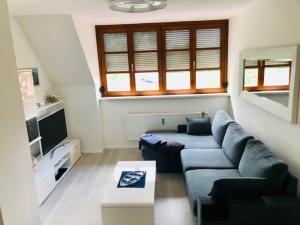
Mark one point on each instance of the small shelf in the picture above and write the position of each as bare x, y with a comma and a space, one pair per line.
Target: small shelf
49, 105
35, 140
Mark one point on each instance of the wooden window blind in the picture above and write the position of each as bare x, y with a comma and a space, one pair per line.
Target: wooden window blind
145, 64
163, 58
177, 57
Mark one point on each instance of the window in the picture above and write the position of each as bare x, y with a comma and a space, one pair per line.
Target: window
178, 53
164, 58
267, 75
116, 62
145, 64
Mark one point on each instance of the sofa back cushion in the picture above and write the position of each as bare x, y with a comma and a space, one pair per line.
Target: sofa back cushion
259, 161
198, 126
234, 143
219, 125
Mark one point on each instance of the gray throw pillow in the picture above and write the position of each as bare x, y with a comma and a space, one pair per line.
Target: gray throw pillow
198, 126
238, 187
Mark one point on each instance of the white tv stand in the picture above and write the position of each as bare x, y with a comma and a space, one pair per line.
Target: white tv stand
51, 170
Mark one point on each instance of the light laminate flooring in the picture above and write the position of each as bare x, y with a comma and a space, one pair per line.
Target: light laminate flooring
76, 200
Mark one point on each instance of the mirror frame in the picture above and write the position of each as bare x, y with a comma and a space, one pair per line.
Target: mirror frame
289, 113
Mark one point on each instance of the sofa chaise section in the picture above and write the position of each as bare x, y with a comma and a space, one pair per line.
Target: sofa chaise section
213, 141
190, 141
219, 126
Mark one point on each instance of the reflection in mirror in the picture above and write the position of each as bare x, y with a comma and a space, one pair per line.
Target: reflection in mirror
268, 78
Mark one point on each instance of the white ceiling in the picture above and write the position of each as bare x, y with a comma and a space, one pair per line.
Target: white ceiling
97, 11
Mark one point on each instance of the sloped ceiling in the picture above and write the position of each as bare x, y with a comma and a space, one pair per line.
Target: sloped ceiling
56, 43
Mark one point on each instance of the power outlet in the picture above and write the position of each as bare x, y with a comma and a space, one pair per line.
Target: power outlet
163, 121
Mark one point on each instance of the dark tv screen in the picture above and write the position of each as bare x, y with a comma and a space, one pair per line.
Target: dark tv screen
53, 130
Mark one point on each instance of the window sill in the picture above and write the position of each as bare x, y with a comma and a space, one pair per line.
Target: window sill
270, 92
164, 96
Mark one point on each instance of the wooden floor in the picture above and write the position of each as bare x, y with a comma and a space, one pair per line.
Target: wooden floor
76, 200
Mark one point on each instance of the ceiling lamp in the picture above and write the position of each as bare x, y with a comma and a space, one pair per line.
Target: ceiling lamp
137, 6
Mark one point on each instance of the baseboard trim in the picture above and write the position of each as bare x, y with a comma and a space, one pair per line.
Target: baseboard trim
92, 151
120, 147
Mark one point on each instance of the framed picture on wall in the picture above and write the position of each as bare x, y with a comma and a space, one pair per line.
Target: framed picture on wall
26, 85
34, 73
35, 76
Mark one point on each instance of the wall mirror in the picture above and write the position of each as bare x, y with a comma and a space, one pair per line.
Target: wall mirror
270, 80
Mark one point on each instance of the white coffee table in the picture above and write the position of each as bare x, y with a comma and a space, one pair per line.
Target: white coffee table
130, 206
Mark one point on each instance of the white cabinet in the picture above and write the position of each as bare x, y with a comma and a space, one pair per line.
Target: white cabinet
75, 153
53, 167
45, 183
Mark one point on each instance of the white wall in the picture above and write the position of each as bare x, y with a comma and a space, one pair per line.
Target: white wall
267, 23
84, 120
114, 113
18, 201
27, 58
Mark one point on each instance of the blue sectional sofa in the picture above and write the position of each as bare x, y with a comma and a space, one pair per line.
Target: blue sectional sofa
231, 178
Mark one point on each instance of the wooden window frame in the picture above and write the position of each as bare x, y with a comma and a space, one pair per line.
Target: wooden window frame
261, 76
161, 28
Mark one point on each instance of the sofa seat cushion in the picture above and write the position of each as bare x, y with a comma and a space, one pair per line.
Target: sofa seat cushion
259, 161
204, 159
190, 141
219, 125
199, 183
234, 143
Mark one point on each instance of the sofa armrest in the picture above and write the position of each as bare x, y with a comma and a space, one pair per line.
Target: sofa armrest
232, 211
210, 211
265, 210
273, 210
238, 187
247, 211
283, 209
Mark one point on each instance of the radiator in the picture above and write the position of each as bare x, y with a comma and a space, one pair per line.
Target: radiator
138, 123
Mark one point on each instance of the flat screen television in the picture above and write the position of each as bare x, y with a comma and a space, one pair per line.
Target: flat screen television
53, 130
